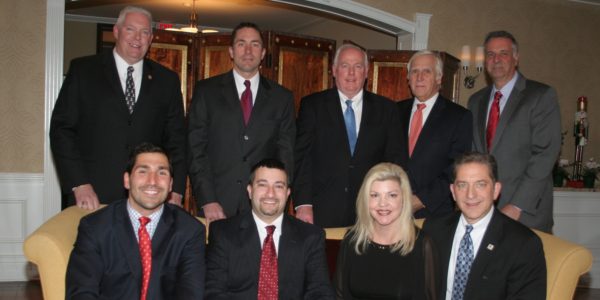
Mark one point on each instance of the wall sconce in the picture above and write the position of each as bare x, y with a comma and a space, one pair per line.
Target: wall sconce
465, 61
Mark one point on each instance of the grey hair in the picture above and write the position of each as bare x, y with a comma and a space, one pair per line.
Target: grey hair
350, 46
133, 9
439, 64
503, 34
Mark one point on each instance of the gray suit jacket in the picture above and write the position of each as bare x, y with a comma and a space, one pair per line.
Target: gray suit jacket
526, 145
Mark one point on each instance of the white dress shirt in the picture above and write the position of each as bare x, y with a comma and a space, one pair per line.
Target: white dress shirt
429, 103
134, 217
357, 106
505, 91
262, 230
239, 84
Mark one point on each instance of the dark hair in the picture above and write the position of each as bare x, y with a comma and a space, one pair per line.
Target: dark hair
271, 163
146, 148
479, 158
502, 34
247, 25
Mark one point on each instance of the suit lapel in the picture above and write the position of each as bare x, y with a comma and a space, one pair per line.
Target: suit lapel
232, 99
334, 109
431, 124
262, 98
287, 255
160, 240
486, 251
146, 85
511, 106
250, 244
127, 240
112, 76
446, 247
482, 117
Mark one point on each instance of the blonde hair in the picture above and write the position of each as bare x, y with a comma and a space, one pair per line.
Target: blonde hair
364, 222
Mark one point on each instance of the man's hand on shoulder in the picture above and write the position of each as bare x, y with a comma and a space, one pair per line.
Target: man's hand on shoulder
85, 197
305, 213
213, 211
511, 211
176, 199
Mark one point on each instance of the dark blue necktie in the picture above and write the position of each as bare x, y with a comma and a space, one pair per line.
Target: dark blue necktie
463, 265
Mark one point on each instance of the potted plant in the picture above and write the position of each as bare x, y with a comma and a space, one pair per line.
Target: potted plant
590, 173
560, 173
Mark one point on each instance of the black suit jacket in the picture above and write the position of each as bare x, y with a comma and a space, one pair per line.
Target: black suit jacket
447, 133
327, 175
222, 149
105, 263
510, 263
92, 132
233, 260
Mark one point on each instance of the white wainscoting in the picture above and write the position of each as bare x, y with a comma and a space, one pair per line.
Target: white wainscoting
21, 212
577, 219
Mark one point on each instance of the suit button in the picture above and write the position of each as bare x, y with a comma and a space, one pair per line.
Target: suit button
129, 123
246, 137
346, 189
351, 167
239, 182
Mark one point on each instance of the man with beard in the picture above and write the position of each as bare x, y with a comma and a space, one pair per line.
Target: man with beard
291, 263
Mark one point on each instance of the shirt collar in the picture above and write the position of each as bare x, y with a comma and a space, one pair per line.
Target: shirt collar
356, 100
239, 80
479, 225
122, 64
261, 224
507, 88
428, 103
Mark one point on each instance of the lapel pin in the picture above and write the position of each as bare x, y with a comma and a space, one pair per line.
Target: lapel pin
490, 247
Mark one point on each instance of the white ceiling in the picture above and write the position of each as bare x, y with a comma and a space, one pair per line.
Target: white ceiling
221, 14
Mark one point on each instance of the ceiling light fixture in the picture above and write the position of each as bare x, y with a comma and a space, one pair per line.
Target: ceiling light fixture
193, 26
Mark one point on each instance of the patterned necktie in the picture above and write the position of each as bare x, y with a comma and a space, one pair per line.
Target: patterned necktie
463, 265
146, 254
493, 119
350, 125
268, 288
415, 128
130, 90
246, 102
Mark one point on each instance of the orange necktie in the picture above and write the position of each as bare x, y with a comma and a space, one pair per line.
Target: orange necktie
268, 288
146, 254
415, 128
493, 119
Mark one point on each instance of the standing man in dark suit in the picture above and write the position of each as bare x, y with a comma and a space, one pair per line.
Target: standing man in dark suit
291, 264
482, 253
104, 109
237, 119
434, 130
139, 247
518, 121
342, 133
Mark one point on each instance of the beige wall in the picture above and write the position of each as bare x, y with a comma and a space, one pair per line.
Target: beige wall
559, 45
22, 28
80, 40
340, 31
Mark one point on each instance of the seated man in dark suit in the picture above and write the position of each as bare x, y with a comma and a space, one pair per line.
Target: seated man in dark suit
291, 264
140, 247
484, 254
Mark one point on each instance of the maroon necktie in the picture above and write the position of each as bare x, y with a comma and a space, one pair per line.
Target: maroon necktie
146, 254
415, 128
267, 278
493, 119
246, 102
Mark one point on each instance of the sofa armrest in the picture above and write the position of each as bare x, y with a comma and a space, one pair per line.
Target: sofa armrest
50, 246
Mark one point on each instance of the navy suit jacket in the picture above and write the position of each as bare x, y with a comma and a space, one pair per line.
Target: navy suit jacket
447, 133
106, 264
92, 132
327, 175
233, 260
526, 145
222, 149
510, 263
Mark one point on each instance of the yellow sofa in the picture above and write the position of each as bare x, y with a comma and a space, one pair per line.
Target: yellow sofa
50, 245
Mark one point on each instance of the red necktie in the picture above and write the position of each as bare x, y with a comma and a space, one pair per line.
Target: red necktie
267, 278
493, 119
146, 254
246, 102
415, 128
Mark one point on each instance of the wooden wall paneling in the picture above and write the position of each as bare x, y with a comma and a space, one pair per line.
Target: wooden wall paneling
300, 63
451, 81
214, 55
